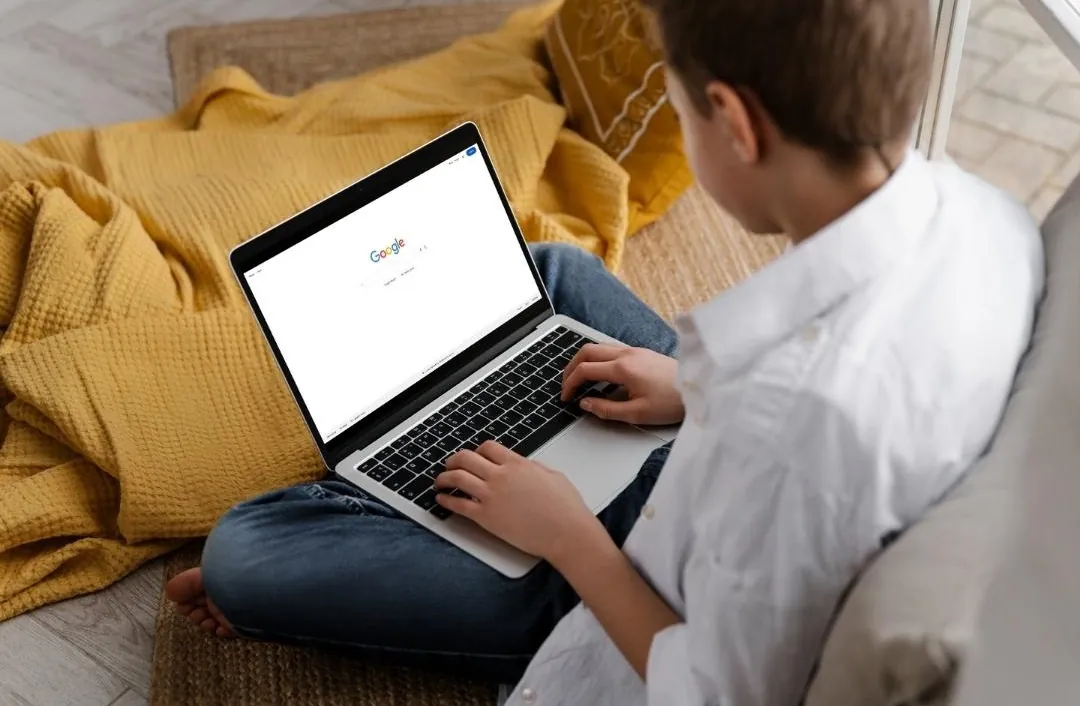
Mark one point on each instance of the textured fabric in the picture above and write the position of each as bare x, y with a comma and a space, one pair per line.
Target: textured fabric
140, 402
611, 76
830, 400
912, 624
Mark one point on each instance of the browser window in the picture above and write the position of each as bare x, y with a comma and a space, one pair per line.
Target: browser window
365, 308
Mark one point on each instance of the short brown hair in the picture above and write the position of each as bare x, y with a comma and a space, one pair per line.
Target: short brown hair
835, 75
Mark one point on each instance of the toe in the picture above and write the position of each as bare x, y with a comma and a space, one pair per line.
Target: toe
198, 615
186, 587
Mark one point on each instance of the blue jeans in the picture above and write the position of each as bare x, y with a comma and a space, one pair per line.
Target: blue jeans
324, 563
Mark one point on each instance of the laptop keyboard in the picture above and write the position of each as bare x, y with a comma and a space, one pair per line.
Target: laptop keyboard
517, 405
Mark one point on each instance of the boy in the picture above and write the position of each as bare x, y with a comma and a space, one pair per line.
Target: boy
826, 403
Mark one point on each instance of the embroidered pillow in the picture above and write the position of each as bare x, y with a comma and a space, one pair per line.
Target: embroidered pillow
611, 74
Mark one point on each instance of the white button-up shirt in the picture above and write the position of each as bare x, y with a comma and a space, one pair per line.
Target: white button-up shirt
830, 399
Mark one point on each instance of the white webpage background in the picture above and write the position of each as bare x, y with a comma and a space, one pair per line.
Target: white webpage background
355, 333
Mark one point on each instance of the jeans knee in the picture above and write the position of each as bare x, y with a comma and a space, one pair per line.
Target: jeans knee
232, 575
563, 257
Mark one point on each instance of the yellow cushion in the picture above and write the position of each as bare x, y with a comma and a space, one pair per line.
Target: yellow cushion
611, 74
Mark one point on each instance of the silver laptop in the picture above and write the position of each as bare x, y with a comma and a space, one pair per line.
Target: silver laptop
410, 322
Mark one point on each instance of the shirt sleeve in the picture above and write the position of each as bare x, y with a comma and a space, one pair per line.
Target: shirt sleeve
666, 677
775, 547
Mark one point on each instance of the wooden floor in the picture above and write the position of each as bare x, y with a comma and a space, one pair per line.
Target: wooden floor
65, 64
69, 63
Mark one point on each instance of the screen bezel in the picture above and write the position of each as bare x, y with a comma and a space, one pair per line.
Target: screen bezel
314, 219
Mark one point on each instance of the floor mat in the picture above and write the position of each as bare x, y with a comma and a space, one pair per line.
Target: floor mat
191, 667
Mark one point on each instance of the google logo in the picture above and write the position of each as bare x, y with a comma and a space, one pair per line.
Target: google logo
393, 249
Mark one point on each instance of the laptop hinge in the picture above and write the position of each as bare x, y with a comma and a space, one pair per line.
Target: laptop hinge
444, 386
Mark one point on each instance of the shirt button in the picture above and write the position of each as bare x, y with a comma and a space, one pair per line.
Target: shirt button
528, 695
811, 333
648, 512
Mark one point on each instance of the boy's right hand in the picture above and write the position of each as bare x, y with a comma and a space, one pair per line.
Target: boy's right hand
648, 377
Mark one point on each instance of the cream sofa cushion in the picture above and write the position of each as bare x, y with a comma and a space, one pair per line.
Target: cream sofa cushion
903, 633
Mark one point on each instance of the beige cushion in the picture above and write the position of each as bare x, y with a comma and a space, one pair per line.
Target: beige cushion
1028, 647
905, 629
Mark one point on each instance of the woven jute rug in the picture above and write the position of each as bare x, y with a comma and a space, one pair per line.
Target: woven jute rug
190, 667
691, 254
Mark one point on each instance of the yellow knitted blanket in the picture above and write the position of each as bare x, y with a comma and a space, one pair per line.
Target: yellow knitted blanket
138, 399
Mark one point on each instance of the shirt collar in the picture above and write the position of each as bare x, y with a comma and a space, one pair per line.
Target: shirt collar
809, 279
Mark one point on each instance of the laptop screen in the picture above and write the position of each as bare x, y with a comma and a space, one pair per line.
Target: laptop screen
365, 308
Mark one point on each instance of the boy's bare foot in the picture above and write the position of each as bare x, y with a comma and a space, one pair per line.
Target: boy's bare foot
187, 592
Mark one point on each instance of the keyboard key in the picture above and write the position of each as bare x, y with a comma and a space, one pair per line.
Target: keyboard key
379, 473
416, 487
563, 360
520, 431
525, 407
503, 403
426, 439
367, 466
395, 461
551, 372
544, 434
433, 455
499, 389
553, 388
484, 399
552, 335
551, 351
426, 500
534, 382
447, 445
436, 468
441, 512
549, 410
512, 417
511, 379
538, 397
482, 436
535, 421
481, 420
411, 450
416, 465
458, 418
498, 428
526, 369
441, 429
469, 409
398, 480
384, 454
450, 407
567, 339
465, 397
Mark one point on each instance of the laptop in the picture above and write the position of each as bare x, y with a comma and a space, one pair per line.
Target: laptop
410, 322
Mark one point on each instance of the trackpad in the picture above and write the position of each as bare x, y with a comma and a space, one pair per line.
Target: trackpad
601, 458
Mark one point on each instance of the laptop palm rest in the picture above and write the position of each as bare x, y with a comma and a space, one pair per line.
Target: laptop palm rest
600, 458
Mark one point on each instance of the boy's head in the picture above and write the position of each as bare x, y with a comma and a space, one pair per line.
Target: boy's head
769, 91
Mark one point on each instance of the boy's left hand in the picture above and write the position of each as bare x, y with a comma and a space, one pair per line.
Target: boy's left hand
522, 502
